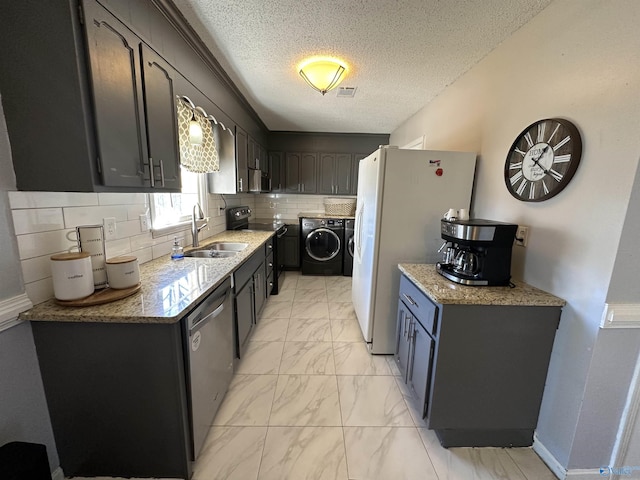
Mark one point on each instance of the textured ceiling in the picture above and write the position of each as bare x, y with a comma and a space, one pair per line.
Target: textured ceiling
401, 53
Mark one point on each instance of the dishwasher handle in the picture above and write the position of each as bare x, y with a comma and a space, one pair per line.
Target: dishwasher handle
217, 311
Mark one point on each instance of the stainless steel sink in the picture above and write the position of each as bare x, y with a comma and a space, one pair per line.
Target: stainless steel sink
228, 246
210, 253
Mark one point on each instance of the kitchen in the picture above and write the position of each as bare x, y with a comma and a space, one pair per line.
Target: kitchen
581, 245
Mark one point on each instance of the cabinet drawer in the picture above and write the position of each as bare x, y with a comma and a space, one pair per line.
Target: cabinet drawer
268, 264
243, 274
418, 303
268, 247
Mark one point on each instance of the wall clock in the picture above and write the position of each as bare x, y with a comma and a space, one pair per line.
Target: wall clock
542, 160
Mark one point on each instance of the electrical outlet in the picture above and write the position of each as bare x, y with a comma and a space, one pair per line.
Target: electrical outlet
522, 234
109, 228
144, 222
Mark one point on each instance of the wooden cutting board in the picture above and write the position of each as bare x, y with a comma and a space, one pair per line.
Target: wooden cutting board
101, 296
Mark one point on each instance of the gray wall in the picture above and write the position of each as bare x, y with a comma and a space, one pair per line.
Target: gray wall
577, 60
23, 410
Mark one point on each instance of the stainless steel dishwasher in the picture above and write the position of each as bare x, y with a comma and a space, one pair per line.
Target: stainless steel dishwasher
209, 343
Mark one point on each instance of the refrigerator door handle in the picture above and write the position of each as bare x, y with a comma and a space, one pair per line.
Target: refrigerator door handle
357, 238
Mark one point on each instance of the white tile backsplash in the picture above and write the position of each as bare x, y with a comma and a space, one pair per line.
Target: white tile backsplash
39, 291
51, 199
44, 243
123, 198
36, 268
37, 220
42, 221
74, 216
287, 206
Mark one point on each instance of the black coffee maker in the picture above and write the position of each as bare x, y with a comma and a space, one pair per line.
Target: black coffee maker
476, 252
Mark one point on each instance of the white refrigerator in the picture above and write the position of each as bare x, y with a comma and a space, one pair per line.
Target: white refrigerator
402, 195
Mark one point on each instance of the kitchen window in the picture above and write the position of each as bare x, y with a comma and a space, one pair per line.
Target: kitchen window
171, 212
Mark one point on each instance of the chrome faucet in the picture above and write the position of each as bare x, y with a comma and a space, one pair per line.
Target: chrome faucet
195, 229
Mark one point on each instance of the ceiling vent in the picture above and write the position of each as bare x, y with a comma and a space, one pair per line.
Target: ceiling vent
346, 92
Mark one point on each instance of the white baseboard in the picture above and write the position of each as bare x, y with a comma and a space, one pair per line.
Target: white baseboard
10, 308
57, 474
585, 474
548, 458
620, 315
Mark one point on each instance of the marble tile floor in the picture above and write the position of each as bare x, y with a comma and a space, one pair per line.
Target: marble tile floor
309, 402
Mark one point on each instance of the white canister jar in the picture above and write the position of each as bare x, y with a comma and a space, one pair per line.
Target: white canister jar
123, 272
72, 275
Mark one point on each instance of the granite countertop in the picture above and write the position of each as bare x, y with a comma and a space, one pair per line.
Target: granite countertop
323, 215
170, 288
443, 291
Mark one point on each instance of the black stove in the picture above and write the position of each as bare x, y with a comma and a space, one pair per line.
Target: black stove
238, 219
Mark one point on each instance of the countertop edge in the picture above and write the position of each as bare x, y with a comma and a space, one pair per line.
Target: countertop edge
39, 313
441, 290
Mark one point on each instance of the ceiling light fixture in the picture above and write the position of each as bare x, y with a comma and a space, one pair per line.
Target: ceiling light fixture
322, 73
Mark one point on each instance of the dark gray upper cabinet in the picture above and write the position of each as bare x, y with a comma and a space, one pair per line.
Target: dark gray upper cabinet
265, 164
308, 172
90, 108
276, 167
292, 172
242, 160
162, 135
76, 102
326, 168
116, 85
343, 172
253, 153
335, 172
356, 165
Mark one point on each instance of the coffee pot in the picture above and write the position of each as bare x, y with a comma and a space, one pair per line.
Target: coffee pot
466, 262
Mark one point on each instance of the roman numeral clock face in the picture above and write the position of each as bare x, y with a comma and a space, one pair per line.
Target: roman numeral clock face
542, 160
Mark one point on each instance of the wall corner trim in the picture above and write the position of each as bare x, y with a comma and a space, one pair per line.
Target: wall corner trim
10, 308
620, 315
57, 474
548, 458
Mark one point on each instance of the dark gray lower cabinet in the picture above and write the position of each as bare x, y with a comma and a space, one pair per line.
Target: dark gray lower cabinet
423, 348
291, 248
476, 372
117, 397
244, 308
251, 283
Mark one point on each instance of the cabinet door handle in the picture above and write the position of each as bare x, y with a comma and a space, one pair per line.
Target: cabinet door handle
407, 318
240, 181
152, 180
270, 247
270, 264
409, 299
162, 173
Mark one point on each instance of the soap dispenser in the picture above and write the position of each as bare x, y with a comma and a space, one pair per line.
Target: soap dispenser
177, 252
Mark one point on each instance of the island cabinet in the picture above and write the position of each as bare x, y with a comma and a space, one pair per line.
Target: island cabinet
94, 113
475, 361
